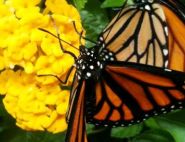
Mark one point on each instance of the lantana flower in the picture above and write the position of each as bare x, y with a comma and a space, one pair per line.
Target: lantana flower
37, 103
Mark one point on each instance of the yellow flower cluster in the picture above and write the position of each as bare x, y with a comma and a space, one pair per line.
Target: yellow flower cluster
37, 103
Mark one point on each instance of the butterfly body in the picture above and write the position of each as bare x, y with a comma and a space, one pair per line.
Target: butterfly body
90, 63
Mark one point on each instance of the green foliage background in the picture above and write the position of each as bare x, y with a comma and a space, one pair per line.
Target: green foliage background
165, 128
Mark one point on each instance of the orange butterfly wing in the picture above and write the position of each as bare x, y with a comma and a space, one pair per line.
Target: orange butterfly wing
76, 131
129, 93
138, 33
176, 26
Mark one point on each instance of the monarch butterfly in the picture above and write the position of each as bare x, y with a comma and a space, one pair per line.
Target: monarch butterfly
135, 71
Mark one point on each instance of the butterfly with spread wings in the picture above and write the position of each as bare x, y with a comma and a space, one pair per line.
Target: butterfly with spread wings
135, 71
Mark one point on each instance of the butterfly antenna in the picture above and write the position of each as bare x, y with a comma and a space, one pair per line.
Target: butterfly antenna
58, 36
81, 34
61, 46
44, 30
43, 75
81, 37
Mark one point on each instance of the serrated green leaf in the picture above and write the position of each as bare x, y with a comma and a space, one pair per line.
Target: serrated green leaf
154, 136
80, 4
126, 132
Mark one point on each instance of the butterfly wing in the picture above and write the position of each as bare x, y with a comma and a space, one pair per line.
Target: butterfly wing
76, 131
75, 87
138, 34
128, 93
175, 17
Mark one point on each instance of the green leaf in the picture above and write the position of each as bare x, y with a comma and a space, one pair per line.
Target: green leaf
6, 121
17, 135
80, 4
178, 115
99, 134
154, 136
115, 3
112, 3
151, 123
92, 129
94, 20
126, 132
175, 128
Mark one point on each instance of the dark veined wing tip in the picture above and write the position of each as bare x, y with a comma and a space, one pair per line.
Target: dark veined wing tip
176, 6
177, 76
143, 117
141, 66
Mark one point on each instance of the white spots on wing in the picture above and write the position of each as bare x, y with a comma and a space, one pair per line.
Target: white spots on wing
180, 103
166, 30
166, 64
168, 70
106, 125
165, 51
146, 115
163, 109
180, 107
122, 125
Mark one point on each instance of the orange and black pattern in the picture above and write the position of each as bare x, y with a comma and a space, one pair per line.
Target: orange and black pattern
148, 33
138, 33
76, 131
136, 70
175, 18
128, 93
